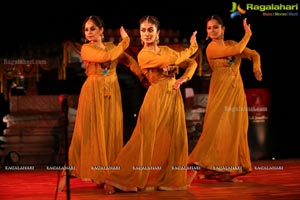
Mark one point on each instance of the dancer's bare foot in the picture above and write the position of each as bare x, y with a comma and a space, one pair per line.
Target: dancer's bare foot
100, 185
209, 174
109, 189
150, 188
191, 176
227, 177
62, 183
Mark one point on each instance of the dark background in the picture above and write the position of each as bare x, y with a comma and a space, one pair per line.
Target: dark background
276, 38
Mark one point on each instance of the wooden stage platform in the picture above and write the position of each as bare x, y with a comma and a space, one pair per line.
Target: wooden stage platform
270, 180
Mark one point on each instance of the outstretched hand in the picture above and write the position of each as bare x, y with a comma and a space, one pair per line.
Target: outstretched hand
193, 37
246, 26
179, 82
123, 32
258, 75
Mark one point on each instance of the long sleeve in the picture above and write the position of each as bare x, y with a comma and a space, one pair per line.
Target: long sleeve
93, 54
190, 66
215, 50
168, 56
186, 53
130, 62
254, 57
149, 59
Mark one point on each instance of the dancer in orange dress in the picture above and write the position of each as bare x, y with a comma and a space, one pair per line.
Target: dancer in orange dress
156, 155
222, 151
98, 133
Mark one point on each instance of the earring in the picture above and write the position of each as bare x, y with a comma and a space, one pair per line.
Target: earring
157, 39
207, 37
142, 42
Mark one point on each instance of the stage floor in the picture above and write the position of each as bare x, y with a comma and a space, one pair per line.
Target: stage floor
270, 179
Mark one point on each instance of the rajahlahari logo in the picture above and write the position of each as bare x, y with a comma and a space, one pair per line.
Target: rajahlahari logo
236, 10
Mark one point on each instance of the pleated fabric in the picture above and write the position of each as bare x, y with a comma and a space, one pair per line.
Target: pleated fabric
156, 155
223, 144
98, 132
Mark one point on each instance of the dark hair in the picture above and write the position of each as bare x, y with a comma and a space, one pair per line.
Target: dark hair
97, 21
151, 19
215, 17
